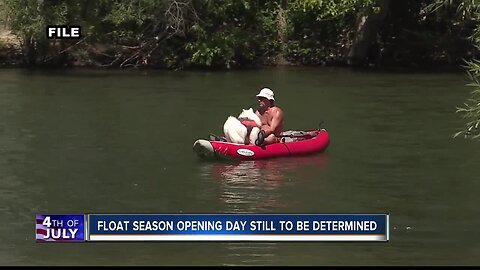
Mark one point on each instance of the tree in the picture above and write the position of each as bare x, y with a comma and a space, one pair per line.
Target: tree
366, 30
467, 10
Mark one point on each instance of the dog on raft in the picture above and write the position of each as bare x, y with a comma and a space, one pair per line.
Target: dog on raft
243, 129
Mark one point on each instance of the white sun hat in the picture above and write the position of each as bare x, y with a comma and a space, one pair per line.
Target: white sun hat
266, 93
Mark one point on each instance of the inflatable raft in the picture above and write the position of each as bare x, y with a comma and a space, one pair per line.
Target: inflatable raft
293, 143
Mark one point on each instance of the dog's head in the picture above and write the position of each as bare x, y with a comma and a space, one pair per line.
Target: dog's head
250, 114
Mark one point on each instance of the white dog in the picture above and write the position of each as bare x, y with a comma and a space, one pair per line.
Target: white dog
236, 132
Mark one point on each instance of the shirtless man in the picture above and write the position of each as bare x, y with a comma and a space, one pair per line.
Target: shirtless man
271, 117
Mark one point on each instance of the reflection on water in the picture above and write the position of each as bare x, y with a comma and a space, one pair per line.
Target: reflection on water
257, 187
255, 253
249, 187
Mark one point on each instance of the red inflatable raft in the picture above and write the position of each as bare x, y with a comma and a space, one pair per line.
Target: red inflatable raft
293, 143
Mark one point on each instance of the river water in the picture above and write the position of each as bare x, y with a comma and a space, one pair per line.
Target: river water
85, 141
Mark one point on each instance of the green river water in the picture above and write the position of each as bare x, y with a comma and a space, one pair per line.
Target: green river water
85, 141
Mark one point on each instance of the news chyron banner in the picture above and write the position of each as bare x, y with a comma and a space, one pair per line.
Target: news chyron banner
212, 227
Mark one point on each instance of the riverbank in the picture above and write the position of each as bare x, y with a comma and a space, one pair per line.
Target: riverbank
95, 56
10, 49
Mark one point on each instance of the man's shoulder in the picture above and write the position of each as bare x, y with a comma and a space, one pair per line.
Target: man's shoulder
276, 109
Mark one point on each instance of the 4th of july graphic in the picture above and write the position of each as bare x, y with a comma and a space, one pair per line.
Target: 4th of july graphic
60, 228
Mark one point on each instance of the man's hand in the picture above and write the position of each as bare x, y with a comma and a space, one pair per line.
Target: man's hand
260, 138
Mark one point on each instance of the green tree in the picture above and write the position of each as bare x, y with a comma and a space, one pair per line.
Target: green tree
236, 33
470, 111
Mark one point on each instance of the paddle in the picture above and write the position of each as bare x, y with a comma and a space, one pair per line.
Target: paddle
302, 134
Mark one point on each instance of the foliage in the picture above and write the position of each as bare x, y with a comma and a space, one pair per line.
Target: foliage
226, 35
328, 9
467, 10
216, 34
470, 110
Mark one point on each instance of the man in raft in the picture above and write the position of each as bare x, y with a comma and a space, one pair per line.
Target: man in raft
271, 117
